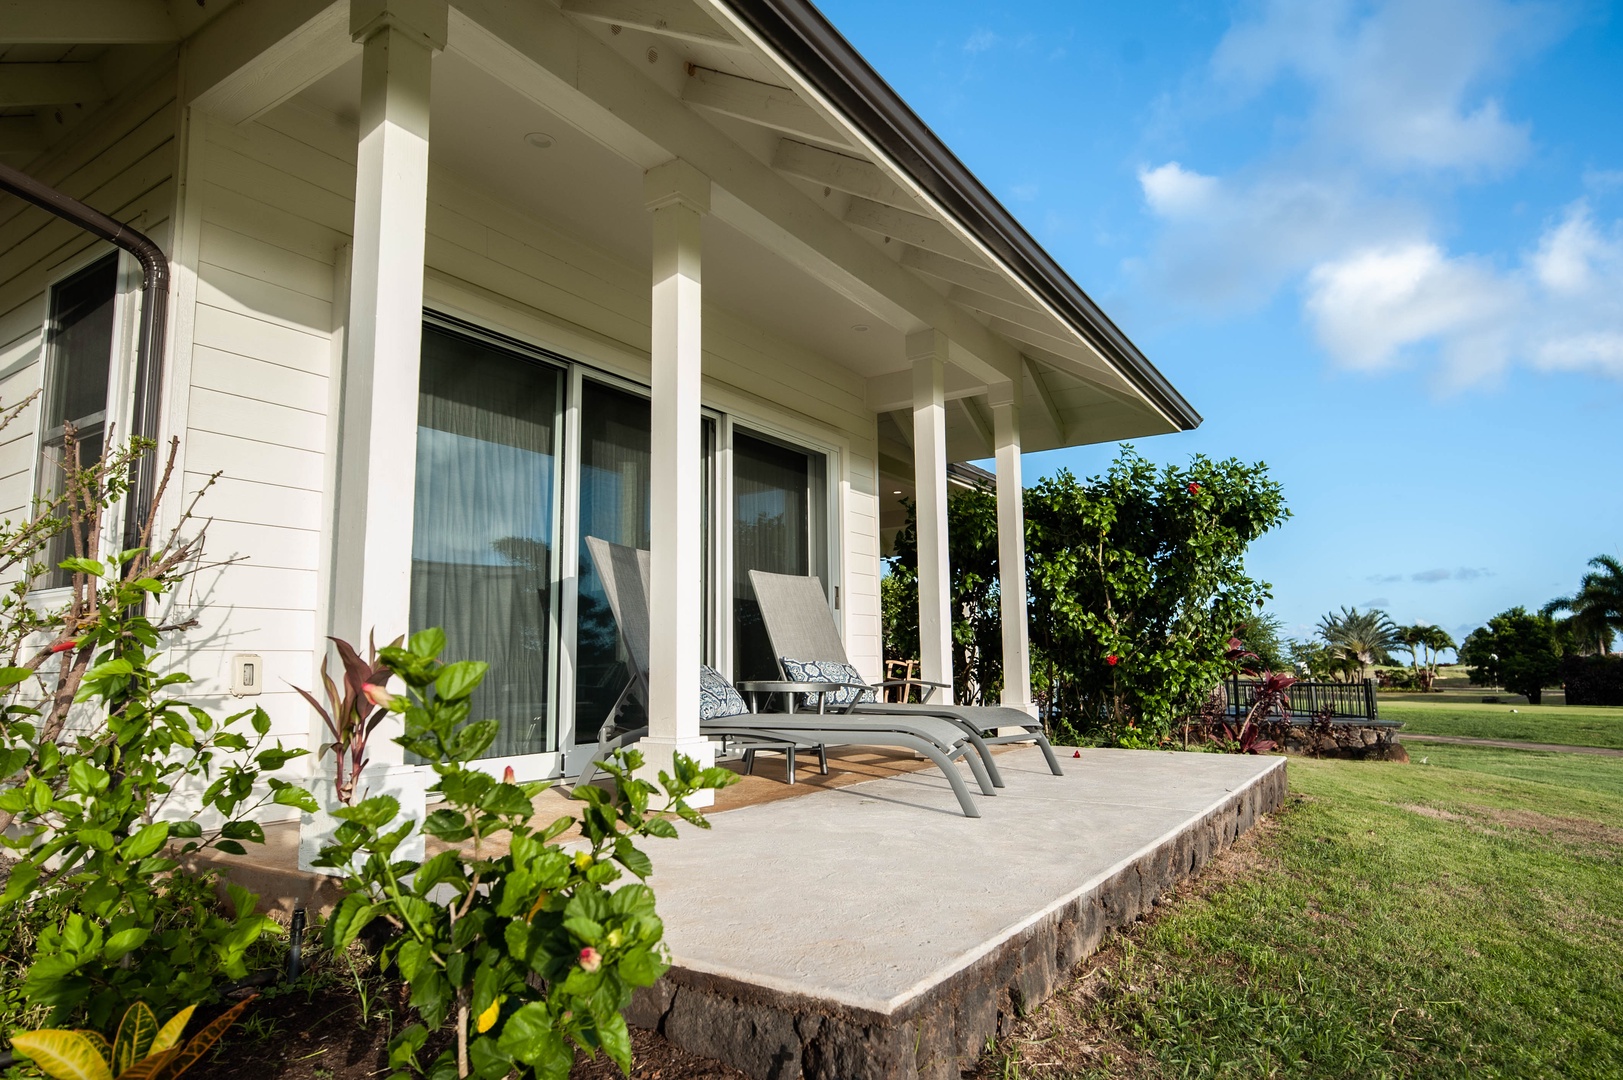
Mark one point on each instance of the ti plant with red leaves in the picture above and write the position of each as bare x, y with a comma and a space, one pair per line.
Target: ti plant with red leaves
350, 713
1269, 706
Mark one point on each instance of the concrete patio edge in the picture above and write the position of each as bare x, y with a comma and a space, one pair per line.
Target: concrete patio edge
941, 1024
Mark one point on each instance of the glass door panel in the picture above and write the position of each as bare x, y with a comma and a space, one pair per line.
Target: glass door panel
614, 488
778, 526
485, 527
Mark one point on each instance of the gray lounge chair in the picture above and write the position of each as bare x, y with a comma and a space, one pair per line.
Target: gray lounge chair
625, 575
801, 627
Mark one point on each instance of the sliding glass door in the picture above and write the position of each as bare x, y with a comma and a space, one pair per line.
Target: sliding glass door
779, 525
485, 527
495, 499
614, 487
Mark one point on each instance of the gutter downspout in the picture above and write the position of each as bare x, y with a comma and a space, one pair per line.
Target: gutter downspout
154, 320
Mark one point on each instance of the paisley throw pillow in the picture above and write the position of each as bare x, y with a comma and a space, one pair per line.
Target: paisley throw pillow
828, 671
717, 697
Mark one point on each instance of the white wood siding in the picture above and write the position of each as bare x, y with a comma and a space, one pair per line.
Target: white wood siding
123, 164
272, 203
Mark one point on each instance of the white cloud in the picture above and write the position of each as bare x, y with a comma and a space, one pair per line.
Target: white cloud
1601, 351
1398, 83
1174, 191
1566, 256
1559, 310
1232, 243
1393, 88
1368, 306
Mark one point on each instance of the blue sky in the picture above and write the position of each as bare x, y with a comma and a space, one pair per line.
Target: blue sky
1378, 246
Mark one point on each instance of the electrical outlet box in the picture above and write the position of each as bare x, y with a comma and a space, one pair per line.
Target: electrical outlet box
247, 674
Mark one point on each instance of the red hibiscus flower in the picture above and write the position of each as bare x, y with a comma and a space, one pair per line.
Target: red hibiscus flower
1112, 659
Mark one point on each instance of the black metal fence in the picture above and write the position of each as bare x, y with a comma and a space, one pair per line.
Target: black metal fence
1337, 700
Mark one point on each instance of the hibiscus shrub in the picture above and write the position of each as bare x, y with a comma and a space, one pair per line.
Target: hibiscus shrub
521, 948
1136, 579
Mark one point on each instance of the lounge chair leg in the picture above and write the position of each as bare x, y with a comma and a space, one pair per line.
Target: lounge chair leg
789, 756
972, 758
933, 752
988, 773
822, 758
1048, 752
604, 749
749, 762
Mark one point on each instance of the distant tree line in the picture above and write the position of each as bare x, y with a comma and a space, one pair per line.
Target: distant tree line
1527, 652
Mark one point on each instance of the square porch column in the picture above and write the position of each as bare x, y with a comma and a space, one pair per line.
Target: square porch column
1011, 547
927, 350
678, 197
377, 416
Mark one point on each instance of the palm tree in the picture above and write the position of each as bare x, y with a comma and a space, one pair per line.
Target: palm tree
1597, 606
1413, 638
1434, 640
1361, 638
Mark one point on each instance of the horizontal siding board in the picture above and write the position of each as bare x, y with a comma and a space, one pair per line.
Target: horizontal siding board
253, 503
230, 290
263, 462
271, 224
264, 588
267, 262
265, 545
249, 376
277, 188
274, 343
234, 414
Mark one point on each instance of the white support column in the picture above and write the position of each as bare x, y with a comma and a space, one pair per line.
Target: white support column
678, 196
1011, 547
378, 437
927, 350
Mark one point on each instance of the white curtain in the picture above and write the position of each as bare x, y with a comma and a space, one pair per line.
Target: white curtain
484, 532
771, 531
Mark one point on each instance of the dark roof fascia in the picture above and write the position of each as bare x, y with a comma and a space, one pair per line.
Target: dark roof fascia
807, 40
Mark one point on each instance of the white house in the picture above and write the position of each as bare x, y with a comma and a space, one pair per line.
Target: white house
456, 283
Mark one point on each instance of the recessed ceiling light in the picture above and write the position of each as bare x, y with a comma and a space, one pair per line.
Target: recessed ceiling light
896, 493
539, 139
861, 328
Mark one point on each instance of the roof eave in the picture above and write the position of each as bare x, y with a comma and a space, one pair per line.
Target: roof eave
805, 39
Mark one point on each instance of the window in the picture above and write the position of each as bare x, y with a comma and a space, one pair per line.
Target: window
518, 450
485, 527
78, 364
779, 525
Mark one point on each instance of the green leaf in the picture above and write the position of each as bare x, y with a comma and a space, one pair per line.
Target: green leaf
11, 676
125, 941
296, 797
447, 825
251, 831
349, 919
616, 1040
427, 643
83, 566
456, 681
230, 847
627, 855
529, 1035
474, 739
148, 840
100, 839
18, 885
375, 812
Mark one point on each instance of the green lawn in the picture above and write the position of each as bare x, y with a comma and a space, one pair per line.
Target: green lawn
1459, 918
1566, 724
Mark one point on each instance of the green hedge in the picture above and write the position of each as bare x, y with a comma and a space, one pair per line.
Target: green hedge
1593, 680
